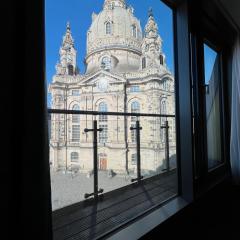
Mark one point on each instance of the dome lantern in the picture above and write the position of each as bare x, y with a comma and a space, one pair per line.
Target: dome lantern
109, 4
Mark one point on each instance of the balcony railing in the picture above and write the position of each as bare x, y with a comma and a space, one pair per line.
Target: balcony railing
115, 144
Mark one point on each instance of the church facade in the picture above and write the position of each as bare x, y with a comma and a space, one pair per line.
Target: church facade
125, 72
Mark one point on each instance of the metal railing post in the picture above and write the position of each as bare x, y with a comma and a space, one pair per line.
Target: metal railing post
137, 129
166, 126
96, 191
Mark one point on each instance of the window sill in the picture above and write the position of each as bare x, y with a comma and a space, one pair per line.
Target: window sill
147, 223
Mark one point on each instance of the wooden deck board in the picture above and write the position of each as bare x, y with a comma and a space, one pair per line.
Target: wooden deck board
86, 221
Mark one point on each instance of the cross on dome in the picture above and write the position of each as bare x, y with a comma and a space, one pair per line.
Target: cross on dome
150, 12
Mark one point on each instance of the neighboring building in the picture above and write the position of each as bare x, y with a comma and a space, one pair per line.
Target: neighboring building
125, 72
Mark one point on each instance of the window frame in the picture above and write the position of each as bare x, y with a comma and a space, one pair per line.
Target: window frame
107, 64
108, 28
134, 159
75, 127
150, 220
103, 122
134, 31
70, 68
134, 88
161, 59
144, 63
184, 135
75, 117
135, 109
75, 92
74, 159
216, 32
183, 94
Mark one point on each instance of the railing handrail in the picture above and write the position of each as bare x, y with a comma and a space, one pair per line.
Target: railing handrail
83, 112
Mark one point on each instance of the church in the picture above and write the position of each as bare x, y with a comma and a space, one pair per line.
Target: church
125, 72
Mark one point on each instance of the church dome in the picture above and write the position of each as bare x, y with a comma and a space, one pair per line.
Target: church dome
114, 28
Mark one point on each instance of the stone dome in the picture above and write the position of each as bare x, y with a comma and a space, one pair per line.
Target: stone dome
113, 31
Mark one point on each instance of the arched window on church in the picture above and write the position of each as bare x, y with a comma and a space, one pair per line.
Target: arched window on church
143, 63
134, 31
75, 133
75, 124
163, 119
70, 70
135, 108
75, 117
161, 59
103, 123
108, 28
163, 107
164, 85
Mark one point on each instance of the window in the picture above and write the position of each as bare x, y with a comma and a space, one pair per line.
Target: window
106, 63
103, 108
165, 85
134, 88
75, 92
112, 5
103, 93
187, 181
143, 63
70, 70
134, 31
135, 108
161, 59
108, 28
75, 133
163, 119
163, 107
133, 133
103, 135
74, 157
212, 102
103, 123
75, 117
134, 159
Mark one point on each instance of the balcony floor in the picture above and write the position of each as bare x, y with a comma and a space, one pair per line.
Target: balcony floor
88, 219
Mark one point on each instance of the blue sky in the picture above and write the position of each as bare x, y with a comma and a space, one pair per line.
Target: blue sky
79, 12
209, 60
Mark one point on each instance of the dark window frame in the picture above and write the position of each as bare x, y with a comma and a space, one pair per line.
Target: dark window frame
210, 27
185, 177
38, 189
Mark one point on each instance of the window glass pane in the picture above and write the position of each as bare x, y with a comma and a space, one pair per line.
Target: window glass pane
69, 171
75, 133
134, 89
108, 63
143, 63
212, 106
108, 28
76, 117
75, 92
134, 31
